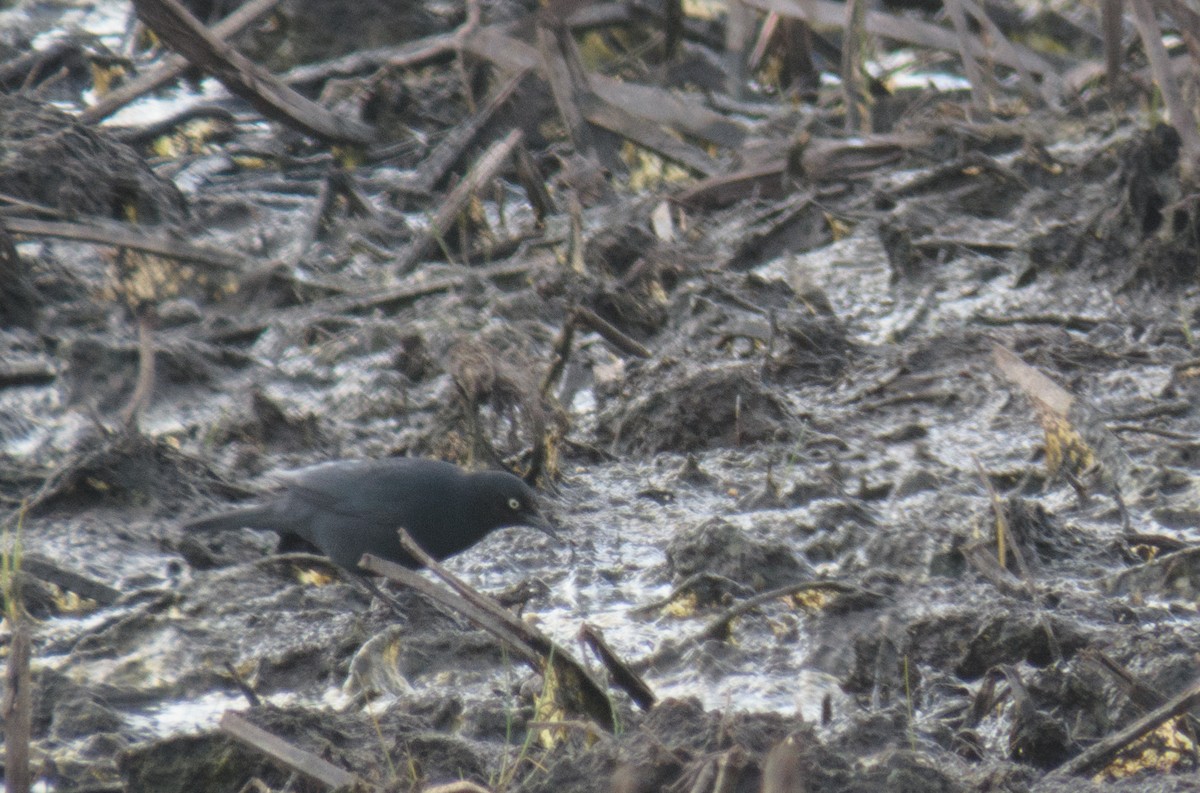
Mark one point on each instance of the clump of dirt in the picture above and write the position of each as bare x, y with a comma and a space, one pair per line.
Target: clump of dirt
717, 547
687, 410
49, 158
190, 762
771, 363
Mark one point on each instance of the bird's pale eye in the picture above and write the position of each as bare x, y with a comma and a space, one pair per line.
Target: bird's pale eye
514, 504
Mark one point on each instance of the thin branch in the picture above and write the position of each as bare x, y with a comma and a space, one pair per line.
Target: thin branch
173, 65
292, 757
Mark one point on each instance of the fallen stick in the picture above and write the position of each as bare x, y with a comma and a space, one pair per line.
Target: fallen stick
175, 25
759, 181
585, 317
408, 54
143, 389
22, 373
242, 324
482, 171
622, 673
683, 113
17, 710
719, 627
173, 65
647, 134
828, 14
1107, 749
455, 603
17, 72
563, 345
450, 149
577, 688
52, 573
1048, 87
568, 81
121, 237
291, 757
981, 97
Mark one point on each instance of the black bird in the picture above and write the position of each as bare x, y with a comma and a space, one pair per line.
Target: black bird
350, 507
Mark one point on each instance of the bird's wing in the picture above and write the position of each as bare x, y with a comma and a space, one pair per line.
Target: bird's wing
360, 487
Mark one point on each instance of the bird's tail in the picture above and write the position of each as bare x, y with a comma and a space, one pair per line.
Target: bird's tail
245, 518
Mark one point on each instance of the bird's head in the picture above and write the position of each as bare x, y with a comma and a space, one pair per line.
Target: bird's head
510, 502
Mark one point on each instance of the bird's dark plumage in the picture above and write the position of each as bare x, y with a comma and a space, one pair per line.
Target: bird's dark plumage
351, 507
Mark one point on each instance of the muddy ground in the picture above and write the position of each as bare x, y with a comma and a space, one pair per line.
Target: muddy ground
817, 402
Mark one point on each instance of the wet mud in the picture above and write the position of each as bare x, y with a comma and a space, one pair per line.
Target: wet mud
795, 394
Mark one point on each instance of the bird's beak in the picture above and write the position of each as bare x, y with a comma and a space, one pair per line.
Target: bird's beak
538, 521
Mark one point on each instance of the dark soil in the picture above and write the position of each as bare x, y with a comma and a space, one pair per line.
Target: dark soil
819, 406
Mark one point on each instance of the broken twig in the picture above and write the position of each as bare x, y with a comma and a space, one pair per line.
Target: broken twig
174, 65
175, 25
483, 171
578, 689
291, 757
17, 711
